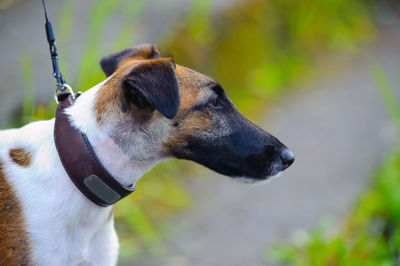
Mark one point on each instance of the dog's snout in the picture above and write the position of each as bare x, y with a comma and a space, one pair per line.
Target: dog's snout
287, 158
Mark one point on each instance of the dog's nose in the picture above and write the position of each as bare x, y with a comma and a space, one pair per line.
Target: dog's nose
287, 158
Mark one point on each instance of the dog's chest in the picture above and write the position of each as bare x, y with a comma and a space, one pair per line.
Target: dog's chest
67, 226
61, 225
64, 222
71, 233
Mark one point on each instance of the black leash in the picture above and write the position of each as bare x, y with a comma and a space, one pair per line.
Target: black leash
62, 85
76, 154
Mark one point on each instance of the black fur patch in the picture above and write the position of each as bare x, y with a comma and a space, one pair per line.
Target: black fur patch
153, 84
110, 63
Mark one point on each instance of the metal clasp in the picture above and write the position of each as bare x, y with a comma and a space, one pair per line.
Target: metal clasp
66, 88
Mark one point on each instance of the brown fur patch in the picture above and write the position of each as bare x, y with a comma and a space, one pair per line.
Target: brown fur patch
146, 51
198, 121
109, 97
14, 240
194, 90
192, 85
187, 126
21, 157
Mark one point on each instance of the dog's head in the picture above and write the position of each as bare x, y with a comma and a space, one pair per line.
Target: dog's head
155, 109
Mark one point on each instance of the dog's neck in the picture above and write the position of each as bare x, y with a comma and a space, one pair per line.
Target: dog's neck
125, 169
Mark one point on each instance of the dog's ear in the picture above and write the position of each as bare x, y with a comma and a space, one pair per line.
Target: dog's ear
152, 84
145, 51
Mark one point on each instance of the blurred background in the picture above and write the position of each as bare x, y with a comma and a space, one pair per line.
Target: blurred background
323, 76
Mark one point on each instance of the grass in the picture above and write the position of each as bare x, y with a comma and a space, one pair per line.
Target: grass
371, 233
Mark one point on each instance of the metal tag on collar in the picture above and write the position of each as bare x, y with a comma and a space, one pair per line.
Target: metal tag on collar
102, 190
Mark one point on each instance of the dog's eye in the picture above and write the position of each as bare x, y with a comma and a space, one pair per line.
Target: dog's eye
216, 104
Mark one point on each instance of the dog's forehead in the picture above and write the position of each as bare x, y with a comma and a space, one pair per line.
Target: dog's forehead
190, 77
194, 87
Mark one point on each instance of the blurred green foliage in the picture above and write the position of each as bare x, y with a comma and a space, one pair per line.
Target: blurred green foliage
256, 49
371, 233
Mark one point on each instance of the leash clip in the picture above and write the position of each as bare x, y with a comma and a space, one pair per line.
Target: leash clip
61, 84
65, 87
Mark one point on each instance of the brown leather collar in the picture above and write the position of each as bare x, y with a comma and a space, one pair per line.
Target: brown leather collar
81, 163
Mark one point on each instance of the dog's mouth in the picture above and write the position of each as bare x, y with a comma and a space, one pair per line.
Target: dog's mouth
272, 172
253, 181
242, 171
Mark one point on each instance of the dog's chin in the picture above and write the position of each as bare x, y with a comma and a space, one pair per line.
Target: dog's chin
253, 181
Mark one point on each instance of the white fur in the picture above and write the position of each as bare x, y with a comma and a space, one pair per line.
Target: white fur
254, 181
66, 228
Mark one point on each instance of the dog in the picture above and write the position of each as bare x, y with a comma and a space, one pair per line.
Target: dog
148, 109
